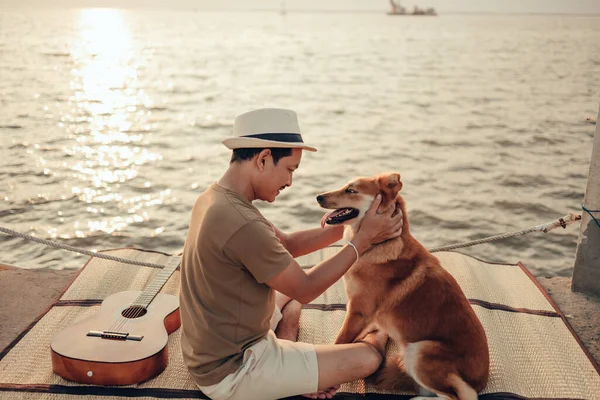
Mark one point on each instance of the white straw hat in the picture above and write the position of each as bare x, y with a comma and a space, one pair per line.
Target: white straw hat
267, 128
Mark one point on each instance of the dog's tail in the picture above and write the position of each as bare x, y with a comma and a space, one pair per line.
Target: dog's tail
392, 376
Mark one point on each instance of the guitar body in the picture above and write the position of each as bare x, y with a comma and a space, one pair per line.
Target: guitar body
112, 359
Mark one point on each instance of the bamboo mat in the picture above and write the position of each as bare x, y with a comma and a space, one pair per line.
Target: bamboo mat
534, 353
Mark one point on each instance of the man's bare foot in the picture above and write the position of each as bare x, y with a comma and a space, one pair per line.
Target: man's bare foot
290, 323
323, 394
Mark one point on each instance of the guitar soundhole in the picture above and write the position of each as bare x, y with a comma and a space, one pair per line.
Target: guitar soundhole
134, 312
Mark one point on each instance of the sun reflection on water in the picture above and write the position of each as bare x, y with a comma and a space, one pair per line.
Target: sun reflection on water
109, 118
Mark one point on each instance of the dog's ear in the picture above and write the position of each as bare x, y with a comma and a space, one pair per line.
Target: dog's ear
390, 184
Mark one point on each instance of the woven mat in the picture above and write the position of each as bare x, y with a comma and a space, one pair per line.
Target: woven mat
534, 354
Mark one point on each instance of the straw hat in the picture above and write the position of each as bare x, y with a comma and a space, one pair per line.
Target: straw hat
267, 128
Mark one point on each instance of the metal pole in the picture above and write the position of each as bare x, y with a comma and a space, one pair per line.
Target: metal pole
586, 274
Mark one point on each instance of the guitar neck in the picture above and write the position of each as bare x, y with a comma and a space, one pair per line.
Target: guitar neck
146, 297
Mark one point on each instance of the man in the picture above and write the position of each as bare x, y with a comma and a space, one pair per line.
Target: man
236, 266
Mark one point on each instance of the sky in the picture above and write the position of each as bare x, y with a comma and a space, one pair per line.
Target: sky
462, 6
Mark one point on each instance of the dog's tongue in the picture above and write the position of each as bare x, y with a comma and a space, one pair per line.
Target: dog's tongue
324, 219
327, 215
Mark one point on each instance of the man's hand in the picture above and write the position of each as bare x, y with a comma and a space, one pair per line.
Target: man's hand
376, 228
305, 286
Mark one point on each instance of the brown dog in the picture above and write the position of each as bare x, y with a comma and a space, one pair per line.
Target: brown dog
399, 287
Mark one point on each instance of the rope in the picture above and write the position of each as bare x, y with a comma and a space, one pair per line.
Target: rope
78, 250
563, 221
591, 215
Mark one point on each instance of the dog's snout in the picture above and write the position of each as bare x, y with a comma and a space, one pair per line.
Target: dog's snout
320, 198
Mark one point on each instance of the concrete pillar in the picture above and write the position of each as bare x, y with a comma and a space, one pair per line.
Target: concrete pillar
586, 275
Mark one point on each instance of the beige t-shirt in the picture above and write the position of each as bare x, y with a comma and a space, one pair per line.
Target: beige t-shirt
230, 251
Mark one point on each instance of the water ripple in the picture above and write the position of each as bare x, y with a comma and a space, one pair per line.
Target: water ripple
112, 128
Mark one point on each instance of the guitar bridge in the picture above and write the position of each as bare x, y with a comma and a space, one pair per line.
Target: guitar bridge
114, 335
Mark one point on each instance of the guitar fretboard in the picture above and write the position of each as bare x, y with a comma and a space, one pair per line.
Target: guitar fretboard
146, 297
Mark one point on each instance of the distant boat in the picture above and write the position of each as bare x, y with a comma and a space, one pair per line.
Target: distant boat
398, 9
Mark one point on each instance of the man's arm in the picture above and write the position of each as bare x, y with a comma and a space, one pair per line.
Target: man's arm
305, 242
305, 286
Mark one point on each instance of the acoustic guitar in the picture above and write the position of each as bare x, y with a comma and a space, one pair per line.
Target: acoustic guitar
125, 342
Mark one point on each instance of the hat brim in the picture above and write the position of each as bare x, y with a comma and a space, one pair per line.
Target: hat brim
246, 143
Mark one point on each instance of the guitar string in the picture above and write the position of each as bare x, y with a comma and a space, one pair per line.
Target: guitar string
138, 307
135, 309
120, 322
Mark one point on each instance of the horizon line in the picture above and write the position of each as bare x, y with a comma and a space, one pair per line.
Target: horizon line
299, 11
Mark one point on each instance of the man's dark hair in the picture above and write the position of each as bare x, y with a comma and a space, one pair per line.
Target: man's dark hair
248, 154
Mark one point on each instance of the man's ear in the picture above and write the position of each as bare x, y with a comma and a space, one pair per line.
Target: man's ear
261, 159
390, 184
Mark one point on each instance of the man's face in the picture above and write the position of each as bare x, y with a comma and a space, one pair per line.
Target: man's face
275, 178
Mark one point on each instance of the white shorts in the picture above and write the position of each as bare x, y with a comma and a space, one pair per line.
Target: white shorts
271, 369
